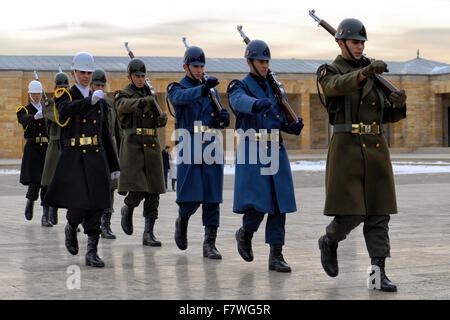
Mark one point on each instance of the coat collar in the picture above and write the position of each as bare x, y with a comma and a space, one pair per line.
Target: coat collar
344, 67
254, 87
189, 83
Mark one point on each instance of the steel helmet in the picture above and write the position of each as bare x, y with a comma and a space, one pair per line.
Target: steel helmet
258, 50
83, 61
34, 87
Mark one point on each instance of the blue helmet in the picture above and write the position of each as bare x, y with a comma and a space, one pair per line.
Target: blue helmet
195, 56
257, 50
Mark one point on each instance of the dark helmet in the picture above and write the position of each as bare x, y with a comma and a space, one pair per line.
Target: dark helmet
99, 77
137, 67
351, 29
61, 79
195, 56
258, 50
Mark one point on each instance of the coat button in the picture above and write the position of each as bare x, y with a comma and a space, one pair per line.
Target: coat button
84, 120
41, 144
96, 150
378, 145
151, 116
40, 134
83, 135
153, 145
84, 150
364, 145
145, 145
95, 121
143, 116
278, 116
212, 114
373, 103
203, 141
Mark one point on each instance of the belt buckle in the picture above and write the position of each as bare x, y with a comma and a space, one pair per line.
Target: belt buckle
72, 142
95, 140
85, 141
139, 131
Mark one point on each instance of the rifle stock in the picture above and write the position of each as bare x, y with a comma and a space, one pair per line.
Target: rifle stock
382, 82
276, 86
158, 111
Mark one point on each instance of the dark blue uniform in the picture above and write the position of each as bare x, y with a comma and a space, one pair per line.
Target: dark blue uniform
256, 194
197, 183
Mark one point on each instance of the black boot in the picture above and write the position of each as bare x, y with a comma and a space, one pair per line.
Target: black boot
328, 256
44, 219
276, 259
127, 219
105, 225
386, 285
92, 259
53, 215
244, 244
209, 244
29, 209
71, 239
181, 226
148, 238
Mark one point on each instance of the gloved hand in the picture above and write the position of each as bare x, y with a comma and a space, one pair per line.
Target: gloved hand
97, 96
161, 120
261, 105
376, 67
115, 175
296, 127
38, 115
222, 121
398, 98
210, 83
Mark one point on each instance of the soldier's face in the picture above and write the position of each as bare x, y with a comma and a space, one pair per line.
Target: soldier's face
97, 87
83, 77
197, 71
356, 48
35, 97
138, 80
262, 66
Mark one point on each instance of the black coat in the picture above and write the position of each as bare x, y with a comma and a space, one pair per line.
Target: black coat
82, 176
166, 160
33, 153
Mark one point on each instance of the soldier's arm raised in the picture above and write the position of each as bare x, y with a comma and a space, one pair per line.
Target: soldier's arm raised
239, 99
179, 96
126, 105
334, 85
67, 109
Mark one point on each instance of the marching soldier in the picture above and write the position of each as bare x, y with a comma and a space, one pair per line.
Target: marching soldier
140, 153
35, 134
359, 179
87, 162
198, 183
257, 108
99, 83
54, 130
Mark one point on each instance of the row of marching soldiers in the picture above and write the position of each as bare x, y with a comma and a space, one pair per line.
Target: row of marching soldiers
81, 165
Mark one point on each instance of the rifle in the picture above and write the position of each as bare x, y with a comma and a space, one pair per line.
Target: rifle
36, 77
382, 82
158, 110
59, 69
212, 92
277, 88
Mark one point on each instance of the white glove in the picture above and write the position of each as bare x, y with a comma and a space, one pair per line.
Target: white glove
38, 115
96, 96
115, 175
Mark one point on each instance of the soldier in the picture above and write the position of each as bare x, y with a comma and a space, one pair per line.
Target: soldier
35, 134
99, 83
87, 161
54, 131
257, 108
140, 153
359, 178
198, 183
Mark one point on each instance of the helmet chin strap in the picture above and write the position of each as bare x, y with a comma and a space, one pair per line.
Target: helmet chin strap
349, 52
32, 100
190, 72
256, 70
78, 81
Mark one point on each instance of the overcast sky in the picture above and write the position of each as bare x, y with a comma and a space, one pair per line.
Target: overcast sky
396, 29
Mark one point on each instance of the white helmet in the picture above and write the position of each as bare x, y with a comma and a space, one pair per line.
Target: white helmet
83, 61
35, 87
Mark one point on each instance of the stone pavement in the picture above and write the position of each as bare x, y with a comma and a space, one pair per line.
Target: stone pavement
34, 261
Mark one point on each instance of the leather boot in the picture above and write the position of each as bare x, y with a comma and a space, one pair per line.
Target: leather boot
244, 244
328, 256
105, 225
181, 226
386, 285
209, 244
92, 259
29, 209
71, 239
276, 259
53, 215
127, 219
44, 219
148, 238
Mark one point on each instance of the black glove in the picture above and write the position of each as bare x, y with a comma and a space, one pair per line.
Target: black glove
210, 83
296, 127
376, 67
261, 105
222, 121
398, 98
